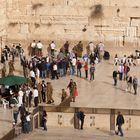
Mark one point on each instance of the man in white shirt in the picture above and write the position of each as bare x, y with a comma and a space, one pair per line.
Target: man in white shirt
20, 97
121, 71
91, 47
73, 64
39, 48
32, 75
53, 46
55, 70
35, 95
74, 61
33, 47
101, 50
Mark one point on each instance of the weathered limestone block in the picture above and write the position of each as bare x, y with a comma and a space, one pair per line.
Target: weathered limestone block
109, 12
73, 28
13, 28
135, 12
15, 4
86, 3
29, 10
49, 2
102, 2
2, 13
120, 22
24, 19
138, 32
24, 2
2, 4
24, 28
131, 32
129, 41
135, 22
102, 22
53, 10
117, 2
2, 31
130, 3
17, 37
64, 20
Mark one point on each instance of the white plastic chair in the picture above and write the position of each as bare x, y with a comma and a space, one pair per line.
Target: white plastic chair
5, 103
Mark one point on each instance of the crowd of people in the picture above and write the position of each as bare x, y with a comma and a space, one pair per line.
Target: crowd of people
52, 66
123, 72
36, 67
56, 64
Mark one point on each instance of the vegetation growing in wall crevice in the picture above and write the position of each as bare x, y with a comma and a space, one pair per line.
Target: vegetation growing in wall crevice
36, 6
49, 24
37, 25
97, 11
12, 24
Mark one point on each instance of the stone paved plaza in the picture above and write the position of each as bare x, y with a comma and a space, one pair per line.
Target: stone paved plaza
99, 93
5, 121
74, 134
116, 23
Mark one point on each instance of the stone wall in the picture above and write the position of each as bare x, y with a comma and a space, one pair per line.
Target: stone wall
115, 22
98, 121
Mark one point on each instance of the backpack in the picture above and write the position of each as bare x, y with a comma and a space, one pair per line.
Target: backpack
79, 65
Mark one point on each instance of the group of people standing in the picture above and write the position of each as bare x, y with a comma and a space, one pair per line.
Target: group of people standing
56, 65
25, 118
123, 73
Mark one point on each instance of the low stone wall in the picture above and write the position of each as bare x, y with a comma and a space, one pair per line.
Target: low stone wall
10, 135
98, 118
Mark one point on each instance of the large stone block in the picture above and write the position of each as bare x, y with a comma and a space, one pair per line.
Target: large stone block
18, 37
135, 22
117, 2
13, 28
23, 19
102, 2
24, 28
130, 3
49, 2
67, 20
120, 21
63, 11
135, 12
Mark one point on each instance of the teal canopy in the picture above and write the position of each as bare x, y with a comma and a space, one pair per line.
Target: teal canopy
12, 80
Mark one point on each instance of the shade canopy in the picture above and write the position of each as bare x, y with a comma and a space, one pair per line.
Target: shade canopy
12, 80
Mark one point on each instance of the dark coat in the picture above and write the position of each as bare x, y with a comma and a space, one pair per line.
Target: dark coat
115, 74
120, 120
